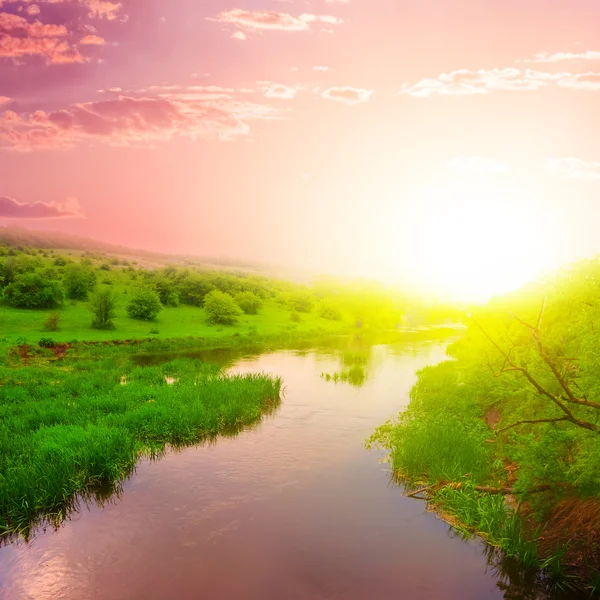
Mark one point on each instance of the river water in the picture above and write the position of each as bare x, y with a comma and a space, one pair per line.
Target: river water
294, 508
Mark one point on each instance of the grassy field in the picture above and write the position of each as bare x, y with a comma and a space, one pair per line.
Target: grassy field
27, 326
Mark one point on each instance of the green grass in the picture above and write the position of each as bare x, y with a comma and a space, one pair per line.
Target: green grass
71, 426
27, 326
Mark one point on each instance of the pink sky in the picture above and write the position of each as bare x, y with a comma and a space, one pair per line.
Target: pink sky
297, 132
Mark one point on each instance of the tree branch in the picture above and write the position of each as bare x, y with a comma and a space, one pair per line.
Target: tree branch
531, 422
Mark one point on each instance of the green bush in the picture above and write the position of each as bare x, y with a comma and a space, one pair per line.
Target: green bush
221, 308
144, 305
79, 281
250, 303
103, 306
301, 301
32, 290
328, 310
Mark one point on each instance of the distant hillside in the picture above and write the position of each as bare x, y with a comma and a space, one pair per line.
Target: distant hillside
20, 237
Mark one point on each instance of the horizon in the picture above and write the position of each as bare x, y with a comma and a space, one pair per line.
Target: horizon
466, 166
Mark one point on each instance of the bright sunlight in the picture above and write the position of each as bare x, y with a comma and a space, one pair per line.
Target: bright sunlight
479, 239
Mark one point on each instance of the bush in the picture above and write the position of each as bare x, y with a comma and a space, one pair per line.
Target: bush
194, 289
295, 317
221, 308
328, 310
32, 290
103, 305
51, 323
301, 302
79, 281
46, 343
144, 305
250, 303
60, 261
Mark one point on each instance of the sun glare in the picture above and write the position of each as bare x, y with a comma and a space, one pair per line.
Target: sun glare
476, 240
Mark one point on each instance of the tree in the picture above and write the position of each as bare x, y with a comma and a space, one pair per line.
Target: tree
221, 308
193, 289
32, 290
250, 303
79, 281
103, 306
144, 305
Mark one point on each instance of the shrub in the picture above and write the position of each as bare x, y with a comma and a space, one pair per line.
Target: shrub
46, 343
60, 261
51, 323
79, 281
144, 305
328, 310
301, 301
295, 316
104, 267
32, 290
221, 308
250, 303
103, 305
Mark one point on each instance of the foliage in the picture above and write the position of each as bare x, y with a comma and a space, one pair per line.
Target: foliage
103, 306
144, 304
46, 343
301, 301
79, 280
33, 290
250, 303
221, 308
52, 322
328, 309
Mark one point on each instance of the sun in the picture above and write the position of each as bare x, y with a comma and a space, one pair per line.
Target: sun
474, 240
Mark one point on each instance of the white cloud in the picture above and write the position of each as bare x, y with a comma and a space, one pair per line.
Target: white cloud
574, 168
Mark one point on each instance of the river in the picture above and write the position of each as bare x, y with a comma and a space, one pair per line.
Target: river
293, 508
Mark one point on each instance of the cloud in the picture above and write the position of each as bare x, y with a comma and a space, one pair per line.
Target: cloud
239, 35
10, 23
547, 57
5, 100
96, 9
574, 168
19, 37
92, 40
278, 90
320, 68
136, 120
347, 94
13, 209
478, 164
464, 82
582, 81
271, 20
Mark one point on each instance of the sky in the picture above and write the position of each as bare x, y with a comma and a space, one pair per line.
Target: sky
453, 143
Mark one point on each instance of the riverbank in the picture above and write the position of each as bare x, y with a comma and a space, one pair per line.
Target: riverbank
73, 426
517, 490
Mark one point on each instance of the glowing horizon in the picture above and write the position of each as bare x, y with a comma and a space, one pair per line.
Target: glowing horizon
451, 146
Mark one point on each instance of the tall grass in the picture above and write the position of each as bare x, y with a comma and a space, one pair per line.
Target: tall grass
72, 425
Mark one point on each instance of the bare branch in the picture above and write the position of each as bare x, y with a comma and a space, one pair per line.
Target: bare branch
531, 422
